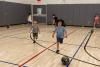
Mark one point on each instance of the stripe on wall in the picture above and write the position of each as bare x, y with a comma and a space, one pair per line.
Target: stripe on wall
13, 13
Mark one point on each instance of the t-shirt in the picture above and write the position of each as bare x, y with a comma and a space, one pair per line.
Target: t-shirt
97, 19
55, 20
29, 18
35, 29
60, 32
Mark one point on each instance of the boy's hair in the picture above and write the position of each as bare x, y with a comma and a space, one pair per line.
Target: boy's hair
29, 13
63, 23
55, 18
53, 15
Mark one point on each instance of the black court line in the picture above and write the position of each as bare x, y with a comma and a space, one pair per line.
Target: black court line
18, 38
69, 56
9, 63
59, 53
12, 30
53, 42
38, 53
71, 44
79, 47
22, 32
11, 35
86, 46
30, 59
25, 38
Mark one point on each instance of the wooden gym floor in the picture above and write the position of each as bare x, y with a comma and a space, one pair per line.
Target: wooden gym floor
16, 47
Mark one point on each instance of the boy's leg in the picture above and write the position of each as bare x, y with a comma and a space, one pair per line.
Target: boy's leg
57, 51
58, 41
97, 25
57, 45
94, 25
34, 37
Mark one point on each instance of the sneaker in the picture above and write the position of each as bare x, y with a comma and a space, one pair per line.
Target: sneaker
57, 51
34, 41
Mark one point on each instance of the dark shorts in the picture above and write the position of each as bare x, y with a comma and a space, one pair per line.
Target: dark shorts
35, 35
97, 25
60, 40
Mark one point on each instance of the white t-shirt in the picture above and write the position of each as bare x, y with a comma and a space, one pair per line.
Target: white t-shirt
29, 18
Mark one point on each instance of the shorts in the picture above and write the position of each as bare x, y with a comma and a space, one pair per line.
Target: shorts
96, 24
29, 22
35, 35
60, 40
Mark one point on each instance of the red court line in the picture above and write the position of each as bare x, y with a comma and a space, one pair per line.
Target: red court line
36, 55
48, 41
41, 52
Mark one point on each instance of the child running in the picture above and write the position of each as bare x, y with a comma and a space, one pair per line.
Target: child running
35, 30
61, 33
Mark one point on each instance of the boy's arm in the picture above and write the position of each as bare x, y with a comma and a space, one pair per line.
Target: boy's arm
65, 33
32, 27
53, 34
38, 29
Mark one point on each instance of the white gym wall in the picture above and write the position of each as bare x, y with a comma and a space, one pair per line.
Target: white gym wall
20, 1
69, 2
55, 1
